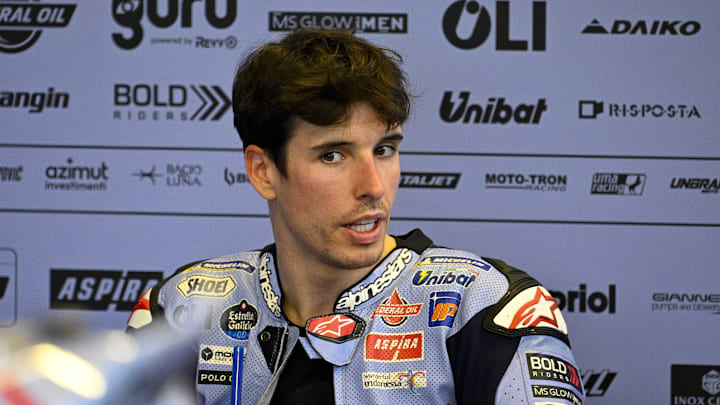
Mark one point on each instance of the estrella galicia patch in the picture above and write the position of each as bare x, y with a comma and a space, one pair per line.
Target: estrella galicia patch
443, 308
545, 367
206, 286
224, 266
237, 321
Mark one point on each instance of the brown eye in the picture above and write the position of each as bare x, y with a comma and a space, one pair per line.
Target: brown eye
385, 150
331, 157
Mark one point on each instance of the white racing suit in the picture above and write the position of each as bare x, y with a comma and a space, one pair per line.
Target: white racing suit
428, 325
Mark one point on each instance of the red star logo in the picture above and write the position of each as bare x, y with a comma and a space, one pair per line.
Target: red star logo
536, 311
332, 326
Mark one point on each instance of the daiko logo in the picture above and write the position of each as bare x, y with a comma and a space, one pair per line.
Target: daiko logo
22, 22
463, 10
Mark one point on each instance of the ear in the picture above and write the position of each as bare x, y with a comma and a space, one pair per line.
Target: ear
261, 171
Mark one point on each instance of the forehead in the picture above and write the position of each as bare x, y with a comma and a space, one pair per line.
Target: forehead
362, 123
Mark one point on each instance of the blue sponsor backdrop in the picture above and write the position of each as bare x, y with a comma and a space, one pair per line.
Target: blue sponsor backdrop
577, 141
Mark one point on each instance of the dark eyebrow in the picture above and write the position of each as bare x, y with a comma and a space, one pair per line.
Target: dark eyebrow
396, 137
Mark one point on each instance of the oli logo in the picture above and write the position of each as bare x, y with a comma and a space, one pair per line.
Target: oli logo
128, 13
463, 9
443, 308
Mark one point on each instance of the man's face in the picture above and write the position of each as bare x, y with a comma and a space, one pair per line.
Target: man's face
341, 182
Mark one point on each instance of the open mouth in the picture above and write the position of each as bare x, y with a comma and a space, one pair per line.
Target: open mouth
364, 225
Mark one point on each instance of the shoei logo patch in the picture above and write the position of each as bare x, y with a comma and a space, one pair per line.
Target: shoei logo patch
443, 308
336, 328
207, 286
533, 307
394, 347
21, 23
395, 310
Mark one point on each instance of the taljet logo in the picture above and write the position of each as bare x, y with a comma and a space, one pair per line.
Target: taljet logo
497, 111
705, 185
695, 384
155, 102
72, 177
627, 184
11, 174
644, 27
591, 109
597, 383
22, 22
35, 102
472, 10
580, 301
394, 23
129, 14
176, 175
97, 289
429, 180
527, 182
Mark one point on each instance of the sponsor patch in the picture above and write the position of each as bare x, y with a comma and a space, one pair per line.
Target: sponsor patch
237, 321
550, 391
214, 377
222, 355
271, 299
336, 328
207, 286
395, 310
394, 347
224, 266
362, 294
454, 261
531, 308
410, 379
443, 308
551, 368
444, 277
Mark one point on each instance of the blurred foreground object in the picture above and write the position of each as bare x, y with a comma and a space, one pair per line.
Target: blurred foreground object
58, 361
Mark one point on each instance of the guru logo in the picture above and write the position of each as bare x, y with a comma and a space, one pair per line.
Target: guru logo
129, 14
22, 22
482, 25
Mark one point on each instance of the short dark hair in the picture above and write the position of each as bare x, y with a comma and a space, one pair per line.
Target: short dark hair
316, 75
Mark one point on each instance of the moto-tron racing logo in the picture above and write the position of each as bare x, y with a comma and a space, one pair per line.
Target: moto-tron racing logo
22, 22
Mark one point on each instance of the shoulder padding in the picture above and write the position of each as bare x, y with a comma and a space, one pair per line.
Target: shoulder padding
155, 308
527, 308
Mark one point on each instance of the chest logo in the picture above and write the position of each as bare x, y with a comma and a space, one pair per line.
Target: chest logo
395, 310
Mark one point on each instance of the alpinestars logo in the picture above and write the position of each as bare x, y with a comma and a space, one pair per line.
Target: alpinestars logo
129, 13
359, 22
97, 289
627, 184
464, 10
21, 23
497, 111
155, 102
643, 27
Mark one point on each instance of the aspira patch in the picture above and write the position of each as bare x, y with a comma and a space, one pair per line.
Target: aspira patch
206, 286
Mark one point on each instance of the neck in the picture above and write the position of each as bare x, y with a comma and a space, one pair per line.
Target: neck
310, 288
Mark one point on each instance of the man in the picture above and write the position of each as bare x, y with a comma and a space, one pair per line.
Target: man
336, 310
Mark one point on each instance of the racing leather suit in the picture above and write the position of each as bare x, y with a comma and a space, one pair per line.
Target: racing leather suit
428, 325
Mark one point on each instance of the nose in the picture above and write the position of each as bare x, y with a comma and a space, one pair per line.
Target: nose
368, 181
